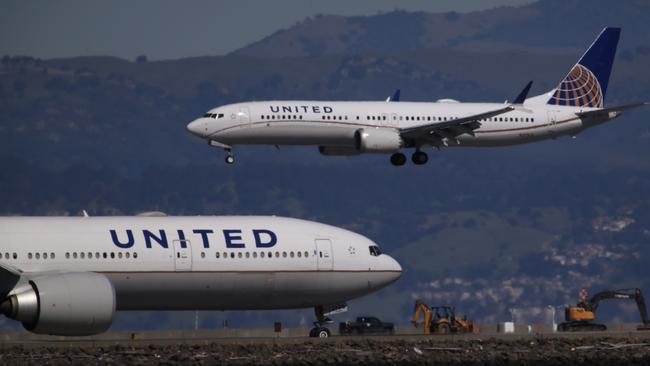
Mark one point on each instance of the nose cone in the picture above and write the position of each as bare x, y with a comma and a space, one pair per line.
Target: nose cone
392, 270
395, 269
196, 127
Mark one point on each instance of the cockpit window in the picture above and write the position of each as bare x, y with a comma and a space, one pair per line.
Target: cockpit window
374, 250
213, 115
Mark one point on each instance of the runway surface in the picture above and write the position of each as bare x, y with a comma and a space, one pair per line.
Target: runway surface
529, 349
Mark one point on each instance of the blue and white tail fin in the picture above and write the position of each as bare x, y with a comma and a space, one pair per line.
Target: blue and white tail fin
586, 84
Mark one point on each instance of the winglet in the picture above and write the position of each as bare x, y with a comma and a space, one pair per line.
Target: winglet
524, 93
395, 97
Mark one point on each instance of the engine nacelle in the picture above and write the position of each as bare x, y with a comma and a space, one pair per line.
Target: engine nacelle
72, 304
338, 150
377, 140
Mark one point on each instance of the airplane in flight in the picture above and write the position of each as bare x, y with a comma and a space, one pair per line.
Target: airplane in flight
68, 275
353, 128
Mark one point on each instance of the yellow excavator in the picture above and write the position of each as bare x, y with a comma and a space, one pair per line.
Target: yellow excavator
582, 317
440, 319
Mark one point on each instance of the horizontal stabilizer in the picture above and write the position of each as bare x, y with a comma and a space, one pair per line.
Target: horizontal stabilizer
606, 111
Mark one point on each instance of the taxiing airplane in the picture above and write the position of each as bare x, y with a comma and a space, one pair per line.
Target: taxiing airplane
353, 128
68, 275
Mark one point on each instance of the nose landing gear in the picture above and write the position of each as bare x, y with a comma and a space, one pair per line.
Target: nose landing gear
230, 159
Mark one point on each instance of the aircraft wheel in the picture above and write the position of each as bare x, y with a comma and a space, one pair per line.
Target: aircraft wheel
419, 158
319, 332
323, 333
230, 159
398, 159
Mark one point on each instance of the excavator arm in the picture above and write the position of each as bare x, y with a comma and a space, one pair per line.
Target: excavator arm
623, 294
421, 307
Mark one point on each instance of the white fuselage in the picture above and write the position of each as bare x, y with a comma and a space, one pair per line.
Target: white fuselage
175, 263
334, 123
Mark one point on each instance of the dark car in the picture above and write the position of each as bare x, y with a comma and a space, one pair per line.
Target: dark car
366, 325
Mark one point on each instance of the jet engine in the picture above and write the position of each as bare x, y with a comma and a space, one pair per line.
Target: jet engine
72, 304
377, 140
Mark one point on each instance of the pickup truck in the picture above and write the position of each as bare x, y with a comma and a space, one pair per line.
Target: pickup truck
366, 325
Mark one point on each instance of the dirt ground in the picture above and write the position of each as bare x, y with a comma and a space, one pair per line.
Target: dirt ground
421, 351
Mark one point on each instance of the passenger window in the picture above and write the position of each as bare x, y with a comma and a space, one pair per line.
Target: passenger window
216, 255
106, 256
232, 255
306, 254
112, 255
202, 254
119, 255
74, 255
254, 254
15, 256
248, 255
239, 255
135, 255
261, 254
299, 254
284, 254
44, 255
291, 254
38, 256
127, 255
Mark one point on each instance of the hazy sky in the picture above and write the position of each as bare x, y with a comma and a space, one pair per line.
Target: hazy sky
164, 29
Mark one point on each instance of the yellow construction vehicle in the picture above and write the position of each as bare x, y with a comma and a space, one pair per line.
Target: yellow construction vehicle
440, 319
582, 316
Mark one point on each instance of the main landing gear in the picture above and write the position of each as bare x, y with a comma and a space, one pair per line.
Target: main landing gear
418, 158
319, 330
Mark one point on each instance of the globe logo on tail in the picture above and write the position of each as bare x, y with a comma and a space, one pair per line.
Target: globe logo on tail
578, 89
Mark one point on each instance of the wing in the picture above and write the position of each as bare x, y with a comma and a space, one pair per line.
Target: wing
9, 276
395, 97
437, 131
605, 112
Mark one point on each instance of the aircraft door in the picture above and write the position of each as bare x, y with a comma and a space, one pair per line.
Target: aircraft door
552, 120
324, 254
182, 255
385, 120
394, 120
244, 116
